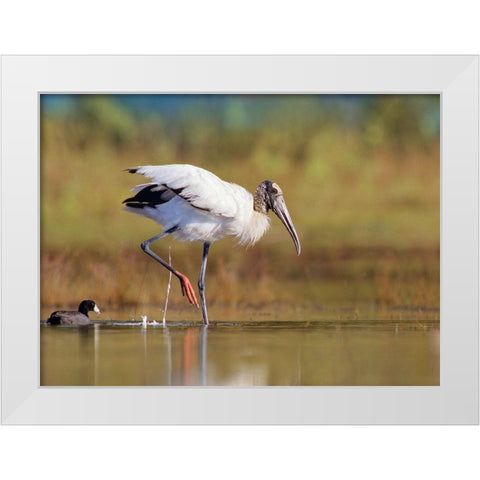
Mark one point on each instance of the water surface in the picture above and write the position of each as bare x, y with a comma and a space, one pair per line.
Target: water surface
241, 354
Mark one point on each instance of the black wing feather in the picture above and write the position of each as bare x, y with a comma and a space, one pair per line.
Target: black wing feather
155, 194
152, 195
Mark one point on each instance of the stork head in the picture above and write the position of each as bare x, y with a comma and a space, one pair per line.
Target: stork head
269, 196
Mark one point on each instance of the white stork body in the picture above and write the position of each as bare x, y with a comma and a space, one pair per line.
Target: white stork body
206, 210
195, 205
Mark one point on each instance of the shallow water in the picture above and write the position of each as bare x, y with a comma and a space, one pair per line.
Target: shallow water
241, 354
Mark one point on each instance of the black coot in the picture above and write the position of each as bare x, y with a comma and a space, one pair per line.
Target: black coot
78, 319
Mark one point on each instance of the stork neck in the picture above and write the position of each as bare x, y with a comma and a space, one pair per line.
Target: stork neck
259, 203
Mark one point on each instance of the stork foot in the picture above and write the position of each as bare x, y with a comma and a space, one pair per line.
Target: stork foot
187, 289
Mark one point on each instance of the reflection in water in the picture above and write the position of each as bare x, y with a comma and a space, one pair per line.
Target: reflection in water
193, 353
169, 355
177, 355
96, 343
203, 355
188, 366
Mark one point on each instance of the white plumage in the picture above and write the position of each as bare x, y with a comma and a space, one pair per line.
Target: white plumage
195, 205
220, 209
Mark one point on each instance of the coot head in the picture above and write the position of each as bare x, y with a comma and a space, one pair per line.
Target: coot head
88, 306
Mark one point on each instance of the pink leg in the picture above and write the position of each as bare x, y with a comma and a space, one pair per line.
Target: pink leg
187, 288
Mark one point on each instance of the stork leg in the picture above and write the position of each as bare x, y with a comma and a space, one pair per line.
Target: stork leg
187, 288
201, 282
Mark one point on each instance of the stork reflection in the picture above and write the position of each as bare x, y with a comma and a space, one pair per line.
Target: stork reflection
186, 352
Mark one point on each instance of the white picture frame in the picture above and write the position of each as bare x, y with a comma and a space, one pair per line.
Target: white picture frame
24, 78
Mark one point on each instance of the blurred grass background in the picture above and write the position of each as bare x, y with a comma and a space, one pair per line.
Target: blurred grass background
360, 174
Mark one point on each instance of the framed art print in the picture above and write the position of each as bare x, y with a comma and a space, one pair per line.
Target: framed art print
335, 197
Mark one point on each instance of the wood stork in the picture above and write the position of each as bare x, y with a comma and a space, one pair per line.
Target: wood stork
195, 205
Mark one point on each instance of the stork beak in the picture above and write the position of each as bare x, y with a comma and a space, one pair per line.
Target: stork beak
280, 209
